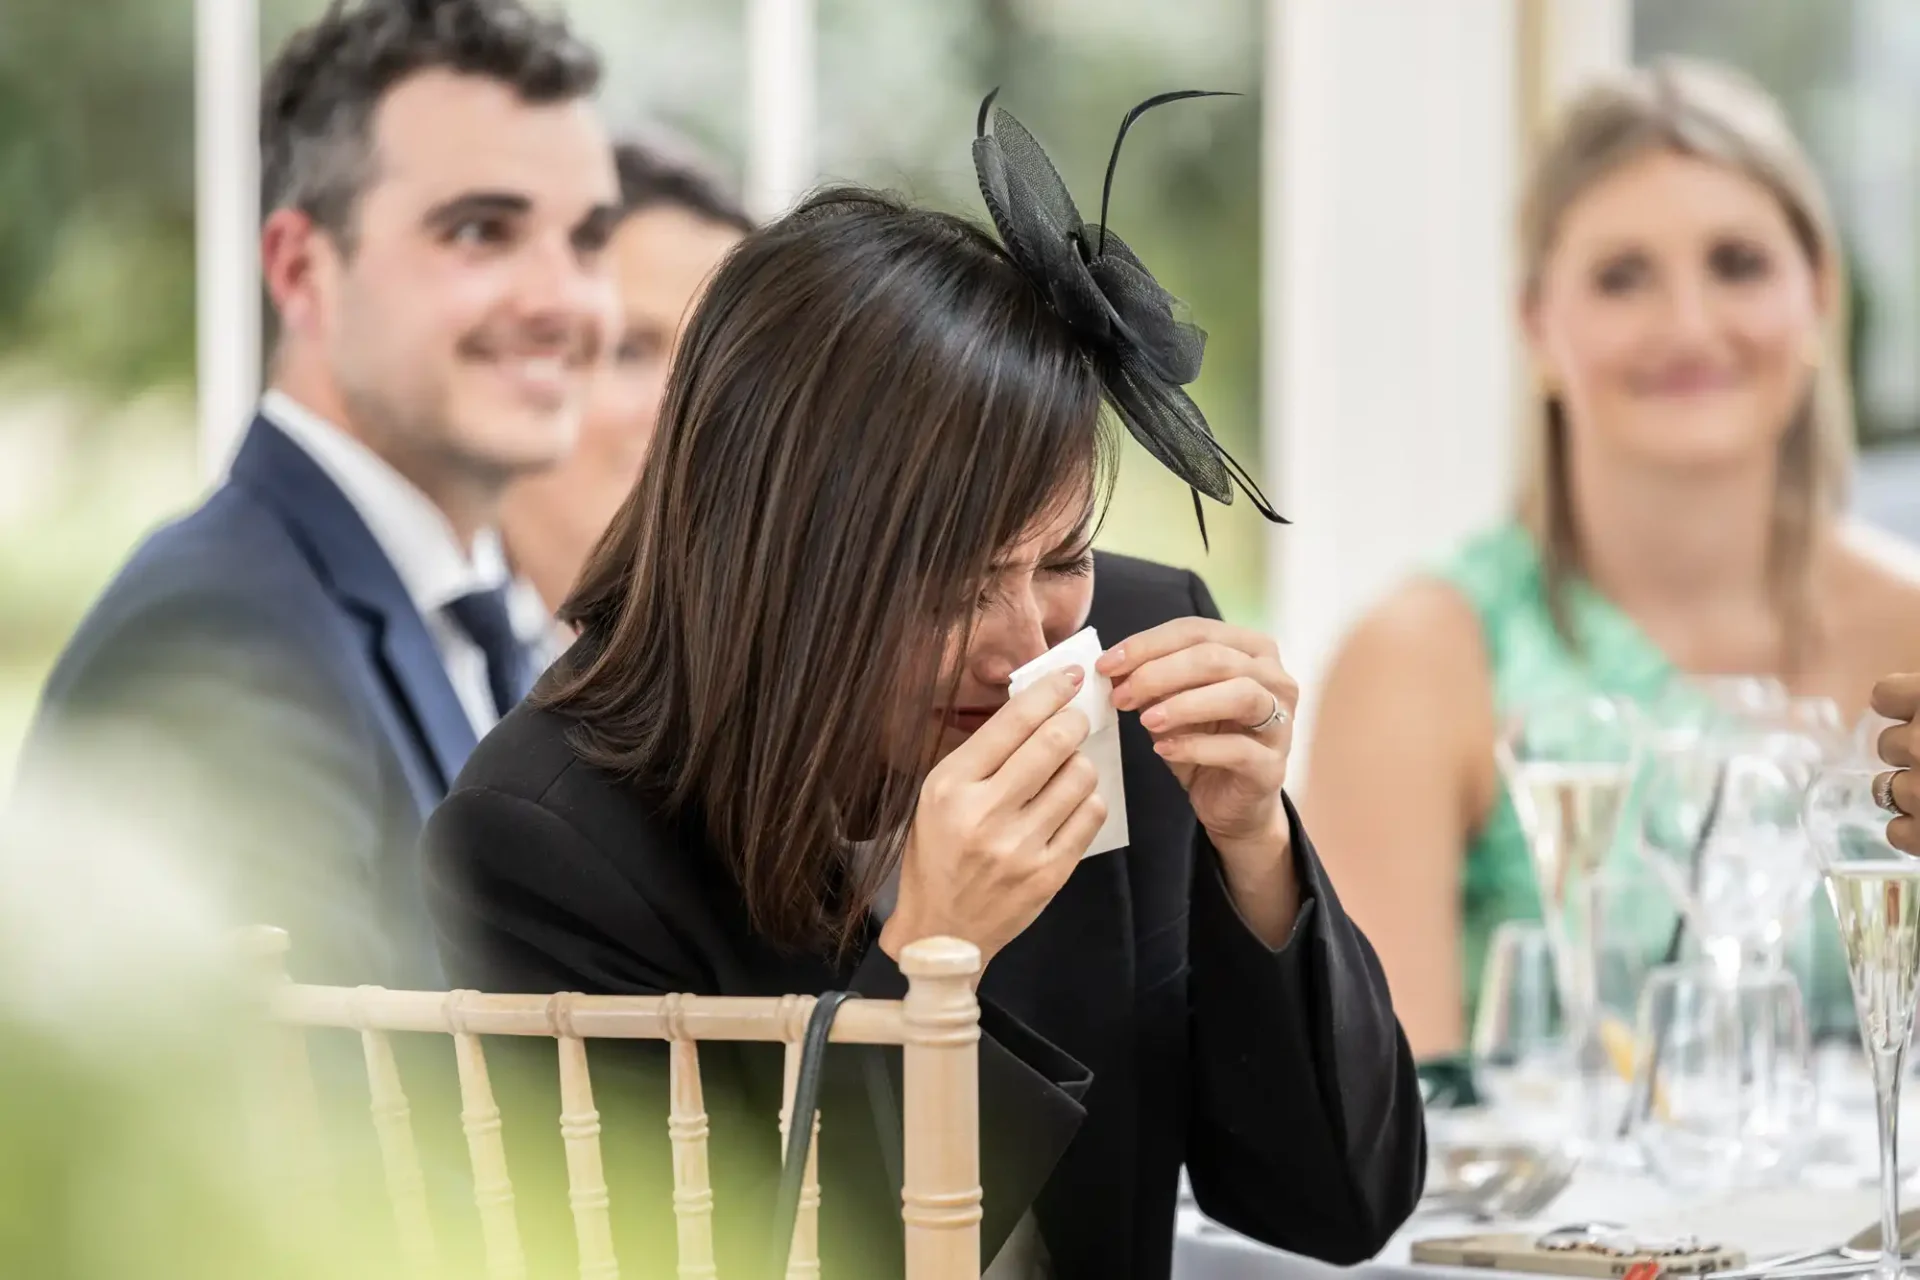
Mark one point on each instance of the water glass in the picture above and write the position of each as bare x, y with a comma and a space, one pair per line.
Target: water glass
1522, 1059
1517, 1047
1724, 1092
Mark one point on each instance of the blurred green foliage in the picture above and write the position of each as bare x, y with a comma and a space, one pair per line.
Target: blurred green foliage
96, 188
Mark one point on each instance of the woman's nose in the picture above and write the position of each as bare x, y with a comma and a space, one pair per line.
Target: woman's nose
1689, 312
1008, 642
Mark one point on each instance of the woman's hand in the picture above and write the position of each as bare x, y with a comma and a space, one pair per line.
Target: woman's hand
1220, 708
1898, 698
1002, 823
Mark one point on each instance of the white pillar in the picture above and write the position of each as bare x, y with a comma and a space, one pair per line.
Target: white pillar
1583, 38
1390, 349
226, 221
780, 104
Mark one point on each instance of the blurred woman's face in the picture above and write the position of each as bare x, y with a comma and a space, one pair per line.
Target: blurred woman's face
1677, 317
662, 259
1037, 595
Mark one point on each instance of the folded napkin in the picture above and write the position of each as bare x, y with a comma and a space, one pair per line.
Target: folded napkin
1102, 747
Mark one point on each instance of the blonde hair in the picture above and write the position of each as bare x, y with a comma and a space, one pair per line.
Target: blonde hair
1693, 109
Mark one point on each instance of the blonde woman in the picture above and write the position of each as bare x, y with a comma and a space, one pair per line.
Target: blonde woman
1681, 301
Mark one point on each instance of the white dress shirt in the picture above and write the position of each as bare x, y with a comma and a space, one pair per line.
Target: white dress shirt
418, 541
534, 625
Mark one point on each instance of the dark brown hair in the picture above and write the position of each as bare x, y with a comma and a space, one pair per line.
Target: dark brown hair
660, 172
869, 405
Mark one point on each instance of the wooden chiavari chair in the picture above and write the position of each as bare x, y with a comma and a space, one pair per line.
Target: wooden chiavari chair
936, 1026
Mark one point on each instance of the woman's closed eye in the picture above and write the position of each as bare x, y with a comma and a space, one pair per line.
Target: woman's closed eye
1078, 566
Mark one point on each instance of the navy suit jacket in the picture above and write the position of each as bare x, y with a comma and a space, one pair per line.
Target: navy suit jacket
256, 697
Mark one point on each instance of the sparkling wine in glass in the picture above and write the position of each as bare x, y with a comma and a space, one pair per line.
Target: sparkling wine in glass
1875, 892
1569, 765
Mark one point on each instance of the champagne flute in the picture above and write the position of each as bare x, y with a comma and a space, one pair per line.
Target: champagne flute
1569, 765
1875, 892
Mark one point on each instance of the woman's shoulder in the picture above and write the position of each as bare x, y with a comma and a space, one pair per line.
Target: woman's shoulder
1130, 582
537, 862
1888, 559
529, 763
1878, 583
1132, 595
523, 755
1417, 659
1496, 571
1439, 620
1425, 631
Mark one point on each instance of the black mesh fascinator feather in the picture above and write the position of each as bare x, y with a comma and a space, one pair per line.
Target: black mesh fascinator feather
1142, 349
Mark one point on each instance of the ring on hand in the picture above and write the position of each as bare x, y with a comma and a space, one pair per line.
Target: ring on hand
1280, 715
1883, 792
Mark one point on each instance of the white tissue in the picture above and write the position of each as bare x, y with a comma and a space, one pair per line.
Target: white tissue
1102, 747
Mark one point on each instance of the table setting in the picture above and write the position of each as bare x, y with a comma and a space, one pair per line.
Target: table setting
1643, 1092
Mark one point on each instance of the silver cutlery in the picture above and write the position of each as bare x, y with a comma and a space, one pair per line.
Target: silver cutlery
1490, 1184
1861, 1247
1531, 1196
1491, 1180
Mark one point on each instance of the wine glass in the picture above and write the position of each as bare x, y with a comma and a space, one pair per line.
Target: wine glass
1875, 893
1569, 765
1720, 828
1515, 1041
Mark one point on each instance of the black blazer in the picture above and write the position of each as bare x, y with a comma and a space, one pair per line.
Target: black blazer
1138, 1025
285, 712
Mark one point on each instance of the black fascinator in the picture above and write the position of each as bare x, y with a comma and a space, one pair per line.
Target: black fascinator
1143, 351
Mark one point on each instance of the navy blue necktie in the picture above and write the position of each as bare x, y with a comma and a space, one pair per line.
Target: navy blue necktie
484, 616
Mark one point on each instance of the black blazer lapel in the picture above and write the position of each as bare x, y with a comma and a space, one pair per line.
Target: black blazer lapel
1071, 972
353, 566
1071, 976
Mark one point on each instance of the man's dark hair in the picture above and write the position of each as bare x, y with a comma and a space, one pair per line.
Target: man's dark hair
656, 172
319, 97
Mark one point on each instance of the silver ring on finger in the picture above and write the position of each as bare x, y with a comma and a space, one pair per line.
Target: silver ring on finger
1883, 792
1279, 717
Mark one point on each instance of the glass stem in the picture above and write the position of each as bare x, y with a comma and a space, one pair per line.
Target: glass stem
1888, 1068
1589, 1045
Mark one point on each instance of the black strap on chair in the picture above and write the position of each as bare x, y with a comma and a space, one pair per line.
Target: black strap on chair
806, 1101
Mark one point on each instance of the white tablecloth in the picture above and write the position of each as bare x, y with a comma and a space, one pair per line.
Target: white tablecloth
1761, 1222
1821, 1205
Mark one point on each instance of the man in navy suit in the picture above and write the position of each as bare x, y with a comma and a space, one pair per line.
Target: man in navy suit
277, 689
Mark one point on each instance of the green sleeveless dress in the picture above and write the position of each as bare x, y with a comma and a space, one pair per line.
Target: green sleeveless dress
1499, 574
